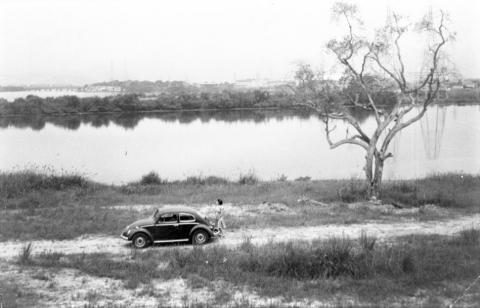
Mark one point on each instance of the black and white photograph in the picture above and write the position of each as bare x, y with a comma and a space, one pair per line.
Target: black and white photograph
239, 153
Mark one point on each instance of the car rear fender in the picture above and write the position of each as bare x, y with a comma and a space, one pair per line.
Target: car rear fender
140, 230
201, 227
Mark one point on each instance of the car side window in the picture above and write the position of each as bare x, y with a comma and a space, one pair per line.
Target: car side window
167, 218
184, 217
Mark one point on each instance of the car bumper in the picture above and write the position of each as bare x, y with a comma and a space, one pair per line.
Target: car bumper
124, 236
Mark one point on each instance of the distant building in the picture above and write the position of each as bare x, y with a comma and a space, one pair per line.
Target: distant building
469, 85
102, 89
258, 83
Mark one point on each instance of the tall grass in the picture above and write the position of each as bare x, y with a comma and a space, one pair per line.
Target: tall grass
249, 178
61, 206
297, 269
25, 255
14, 184
207, 180
30, 189
469, 236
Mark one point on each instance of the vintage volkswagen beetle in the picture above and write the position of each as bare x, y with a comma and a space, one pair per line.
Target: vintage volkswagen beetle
168, 225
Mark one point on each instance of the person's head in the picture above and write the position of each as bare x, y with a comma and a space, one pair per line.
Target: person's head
219, 201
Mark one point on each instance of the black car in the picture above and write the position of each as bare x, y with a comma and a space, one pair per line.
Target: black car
167, 225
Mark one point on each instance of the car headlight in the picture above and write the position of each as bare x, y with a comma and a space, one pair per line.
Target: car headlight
129, 231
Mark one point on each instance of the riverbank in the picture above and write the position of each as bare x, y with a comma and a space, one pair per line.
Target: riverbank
25, 189
60, 207
135, 103
68, 105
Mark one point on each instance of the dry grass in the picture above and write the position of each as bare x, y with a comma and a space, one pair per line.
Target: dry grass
36, 190
60, 207
373, 273
25, 256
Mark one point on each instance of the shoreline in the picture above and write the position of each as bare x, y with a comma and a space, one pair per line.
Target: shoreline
157, 111
63, 106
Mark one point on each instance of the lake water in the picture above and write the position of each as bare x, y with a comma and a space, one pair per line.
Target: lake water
121, 148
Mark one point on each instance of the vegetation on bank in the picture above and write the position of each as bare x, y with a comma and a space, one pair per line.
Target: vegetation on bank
131, 103
64, 105
30, 190
368, 271
42, 206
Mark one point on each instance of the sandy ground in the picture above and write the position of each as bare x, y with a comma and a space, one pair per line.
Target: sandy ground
71, 288
383, 231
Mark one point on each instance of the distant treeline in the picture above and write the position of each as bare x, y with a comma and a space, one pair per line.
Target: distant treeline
134, 103
225, 100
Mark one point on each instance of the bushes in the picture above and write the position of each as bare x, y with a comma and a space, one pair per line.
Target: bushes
151, 178
19, 183
449, 190
249, 178
209, 180
355, 190
331, 259
227, 99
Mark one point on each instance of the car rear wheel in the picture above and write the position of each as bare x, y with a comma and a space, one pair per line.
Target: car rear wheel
200, 237
140, 241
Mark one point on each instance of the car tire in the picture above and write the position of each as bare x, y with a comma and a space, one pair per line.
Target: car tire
199, 237
140, 241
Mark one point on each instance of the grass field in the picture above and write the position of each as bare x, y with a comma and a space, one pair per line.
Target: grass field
431, 270
40, 206
421, 270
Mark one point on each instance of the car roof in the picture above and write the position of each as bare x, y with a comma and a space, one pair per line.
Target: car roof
185, 209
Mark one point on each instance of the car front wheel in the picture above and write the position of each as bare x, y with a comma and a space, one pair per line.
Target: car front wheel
140, 241
199, 237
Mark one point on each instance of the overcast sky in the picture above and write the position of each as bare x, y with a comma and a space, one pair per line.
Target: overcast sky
77, 42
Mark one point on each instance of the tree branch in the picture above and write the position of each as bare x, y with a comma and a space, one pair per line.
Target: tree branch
357, 139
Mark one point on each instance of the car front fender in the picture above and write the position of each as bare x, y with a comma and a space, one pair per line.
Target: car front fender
140, 230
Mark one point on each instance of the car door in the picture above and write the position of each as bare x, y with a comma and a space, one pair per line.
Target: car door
166, 227
186, 223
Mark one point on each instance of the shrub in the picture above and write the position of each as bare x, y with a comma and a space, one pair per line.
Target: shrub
210, 180
282, 178
50, 258
470, 236
303, 179
355, 191
25, 256
151, 178
249, 178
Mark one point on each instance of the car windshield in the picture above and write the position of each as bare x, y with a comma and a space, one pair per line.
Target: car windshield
156, 215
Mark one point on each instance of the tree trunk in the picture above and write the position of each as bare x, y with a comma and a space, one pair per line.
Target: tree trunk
374, 177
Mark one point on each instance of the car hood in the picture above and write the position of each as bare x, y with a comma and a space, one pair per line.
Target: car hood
141, 223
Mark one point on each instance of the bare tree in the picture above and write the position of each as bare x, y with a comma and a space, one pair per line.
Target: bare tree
373, 67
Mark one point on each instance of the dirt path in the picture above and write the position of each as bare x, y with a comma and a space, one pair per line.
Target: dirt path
115, 245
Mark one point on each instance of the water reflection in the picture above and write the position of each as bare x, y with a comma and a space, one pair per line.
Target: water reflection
432, 126
118, 148
131, 120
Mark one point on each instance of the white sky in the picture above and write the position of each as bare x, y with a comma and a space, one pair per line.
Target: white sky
76, 42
